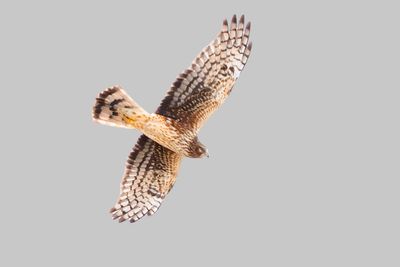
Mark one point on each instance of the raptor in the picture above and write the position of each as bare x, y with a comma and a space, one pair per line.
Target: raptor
170, 133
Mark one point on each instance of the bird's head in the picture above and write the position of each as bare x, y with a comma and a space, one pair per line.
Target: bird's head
197, 150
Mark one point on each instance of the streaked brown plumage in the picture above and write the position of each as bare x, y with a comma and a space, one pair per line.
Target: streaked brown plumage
170, 133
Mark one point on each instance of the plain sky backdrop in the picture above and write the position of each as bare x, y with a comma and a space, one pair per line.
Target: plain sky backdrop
304, 155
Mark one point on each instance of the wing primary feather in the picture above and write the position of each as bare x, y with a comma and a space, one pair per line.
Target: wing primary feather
149, 175
233, 21
216, 67
241, 21
224, 26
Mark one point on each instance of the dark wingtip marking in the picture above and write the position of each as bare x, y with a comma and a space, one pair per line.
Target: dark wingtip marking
225, 22
234, 19
248, 26
241, 20
249, 46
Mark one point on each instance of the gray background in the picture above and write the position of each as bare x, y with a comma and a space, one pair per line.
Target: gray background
304, 166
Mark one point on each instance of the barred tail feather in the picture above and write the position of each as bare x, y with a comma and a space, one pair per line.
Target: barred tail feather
115, 108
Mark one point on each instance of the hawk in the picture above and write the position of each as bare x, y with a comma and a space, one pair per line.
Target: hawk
170, 133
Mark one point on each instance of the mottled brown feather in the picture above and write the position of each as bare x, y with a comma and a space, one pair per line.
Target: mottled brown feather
203, 87
150, 173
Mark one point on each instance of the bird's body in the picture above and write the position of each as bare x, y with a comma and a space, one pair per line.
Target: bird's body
170, 133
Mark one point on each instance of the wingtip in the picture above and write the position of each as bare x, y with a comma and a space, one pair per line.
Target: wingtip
234, 19
224, 25
250, 45
248, 26
241, 20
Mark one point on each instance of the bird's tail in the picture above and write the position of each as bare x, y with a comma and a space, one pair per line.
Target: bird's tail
114, 107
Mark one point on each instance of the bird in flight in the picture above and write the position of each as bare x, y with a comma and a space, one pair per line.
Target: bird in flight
170, 133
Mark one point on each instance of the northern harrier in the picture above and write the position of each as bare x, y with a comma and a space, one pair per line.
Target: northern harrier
170, 133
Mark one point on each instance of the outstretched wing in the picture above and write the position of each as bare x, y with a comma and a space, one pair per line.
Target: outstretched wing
150, 173
203, 87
